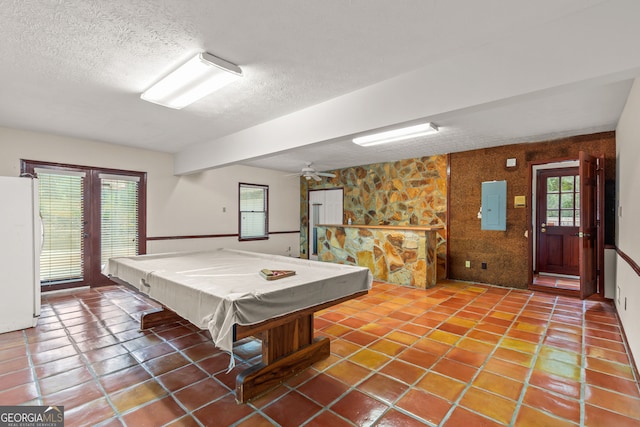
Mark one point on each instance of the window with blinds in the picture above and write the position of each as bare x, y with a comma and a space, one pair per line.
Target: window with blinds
62, 212
118, 217
253, 204
89, 215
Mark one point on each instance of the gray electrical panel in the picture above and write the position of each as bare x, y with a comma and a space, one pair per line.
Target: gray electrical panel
494, 205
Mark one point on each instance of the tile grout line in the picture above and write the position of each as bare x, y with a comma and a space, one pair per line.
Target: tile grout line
601, 387
156, 378
558, 307
88, 363
169, 392
373, 372
95, 377
412, 386
32, 366
352, 388
456, 402
583, 361
627, 349
427, 371
469, 384
164, 340
495, 349
525, 382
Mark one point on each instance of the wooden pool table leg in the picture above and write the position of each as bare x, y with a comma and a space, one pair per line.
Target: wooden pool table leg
157, 317
287, 349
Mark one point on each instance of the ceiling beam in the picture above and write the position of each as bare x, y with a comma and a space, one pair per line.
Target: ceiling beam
529, 62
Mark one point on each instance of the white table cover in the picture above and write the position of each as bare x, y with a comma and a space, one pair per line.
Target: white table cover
220, 288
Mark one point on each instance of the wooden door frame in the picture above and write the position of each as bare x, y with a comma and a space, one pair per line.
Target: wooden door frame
600, 217
590, 225
531, 226
540, 202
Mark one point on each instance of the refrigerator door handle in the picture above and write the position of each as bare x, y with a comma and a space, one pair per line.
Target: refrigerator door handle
41, 233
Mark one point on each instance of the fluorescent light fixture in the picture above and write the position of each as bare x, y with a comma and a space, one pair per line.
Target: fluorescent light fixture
396, 134
195, 79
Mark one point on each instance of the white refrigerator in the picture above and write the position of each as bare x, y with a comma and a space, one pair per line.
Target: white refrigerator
20, 243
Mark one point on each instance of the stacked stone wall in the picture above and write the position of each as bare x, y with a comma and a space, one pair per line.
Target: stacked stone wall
407, 192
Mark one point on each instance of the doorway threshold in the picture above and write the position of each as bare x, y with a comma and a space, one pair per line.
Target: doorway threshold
556, 284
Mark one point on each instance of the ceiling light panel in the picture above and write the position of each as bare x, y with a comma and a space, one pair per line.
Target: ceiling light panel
396, 134
198, 77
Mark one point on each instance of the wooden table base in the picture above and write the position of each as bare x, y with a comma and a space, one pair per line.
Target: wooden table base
261, 378
288, 346
157, 317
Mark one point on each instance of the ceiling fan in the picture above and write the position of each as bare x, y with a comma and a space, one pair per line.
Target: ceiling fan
308, 172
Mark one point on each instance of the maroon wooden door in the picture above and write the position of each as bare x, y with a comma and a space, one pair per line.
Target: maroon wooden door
558, 221
588, 229
82, 228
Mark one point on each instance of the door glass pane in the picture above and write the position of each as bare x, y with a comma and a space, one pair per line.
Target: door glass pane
62, 211
566, 200
566, 217
576, 206
552, 218
552, 201
553, 185
567, 184
119, 217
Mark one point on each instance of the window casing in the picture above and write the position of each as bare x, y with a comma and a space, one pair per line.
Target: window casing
253, 222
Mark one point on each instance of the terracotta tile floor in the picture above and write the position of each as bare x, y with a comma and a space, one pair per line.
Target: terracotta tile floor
556, 282
459, 354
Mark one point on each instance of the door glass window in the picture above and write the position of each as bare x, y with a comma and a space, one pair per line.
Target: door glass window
62, 212
88, 215
563, 201
118, 217
567, 183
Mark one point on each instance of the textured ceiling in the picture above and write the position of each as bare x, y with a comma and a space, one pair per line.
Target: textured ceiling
77, 68
514, 122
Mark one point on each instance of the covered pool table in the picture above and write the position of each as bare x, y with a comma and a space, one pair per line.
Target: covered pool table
224, 292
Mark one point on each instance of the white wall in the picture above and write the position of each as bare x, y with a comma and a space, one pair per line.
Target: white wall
627, 227
176, 206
